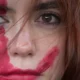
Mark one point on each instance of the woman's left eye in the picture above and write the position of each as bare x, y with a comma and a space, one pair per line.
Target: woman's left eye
3, 20
48, 18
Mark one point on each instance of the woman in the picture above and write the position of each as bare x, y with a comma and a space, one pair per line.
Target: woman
38, 40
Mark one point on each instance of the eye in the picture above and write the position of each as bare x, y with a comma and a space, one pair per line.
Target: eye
49, 18
3, 20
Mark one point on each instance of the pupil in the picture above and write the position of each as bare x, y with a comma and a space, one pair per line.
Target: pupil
47, 17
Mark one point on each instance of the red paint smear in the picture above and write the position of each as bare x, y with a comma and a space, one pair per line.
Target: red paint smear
48, 60
3, 2
2, 31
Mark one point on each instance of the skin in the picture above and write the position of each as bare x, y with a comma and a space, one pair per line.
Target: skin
34, 41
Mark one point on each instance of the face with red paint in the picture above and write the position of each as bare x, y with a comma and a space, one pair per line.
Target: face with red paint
27, 40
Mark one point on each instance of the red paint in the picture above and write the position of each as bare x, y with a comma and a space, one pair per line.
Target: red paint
3, 2
48, 60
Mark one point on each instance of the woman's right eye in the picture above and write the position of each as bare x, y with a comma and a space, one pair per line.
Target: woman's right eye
49, 18
3, 20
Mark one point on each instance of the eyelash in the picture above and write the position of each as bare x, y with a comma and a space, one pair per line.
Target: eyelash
49, 18
3, 20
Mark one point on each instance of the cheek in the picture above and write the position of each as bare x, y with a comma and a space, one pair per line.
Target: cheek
3, 45
4, 58
3, 39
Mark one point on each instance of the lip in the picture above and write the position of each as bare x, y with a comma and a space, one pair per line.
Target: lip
21, 72
19, 75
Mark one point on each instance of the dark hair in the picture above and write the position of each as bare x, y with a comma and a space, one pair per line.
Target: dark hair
73, 69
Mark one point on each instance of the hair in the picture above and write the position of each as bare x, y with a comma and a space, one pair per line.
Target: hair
72, 56
71, 9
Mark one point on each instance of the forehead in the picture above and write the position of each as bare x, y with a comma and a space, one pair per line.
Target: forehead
25, 1
24, 4
14, 3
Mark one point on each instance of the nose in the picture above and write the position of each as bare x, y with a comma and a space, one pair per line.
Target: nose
22, 46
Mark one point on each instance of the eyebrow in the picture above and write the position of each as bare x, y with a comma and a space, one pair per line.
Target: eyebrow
5, 8
47, 5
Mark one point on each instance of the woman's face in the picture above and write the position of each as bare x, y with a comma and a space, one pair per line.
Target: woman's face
32, 46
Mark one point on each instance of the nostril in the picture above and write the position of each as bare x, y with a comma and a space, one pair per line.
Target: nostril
30, 54
22, 51
24, 55
15, 54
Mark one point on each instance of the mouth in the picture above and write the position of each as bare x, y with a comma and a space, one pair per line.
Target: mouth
20, 75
